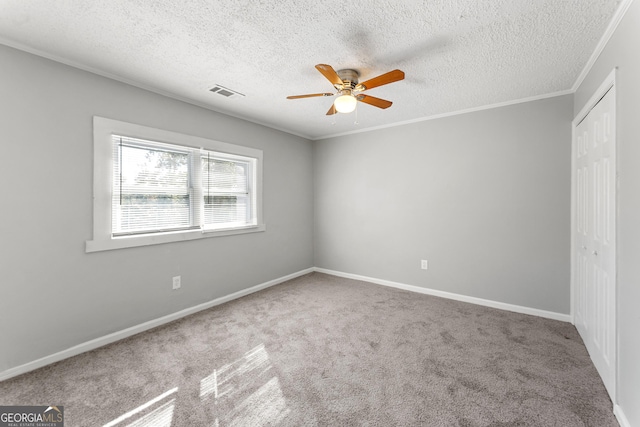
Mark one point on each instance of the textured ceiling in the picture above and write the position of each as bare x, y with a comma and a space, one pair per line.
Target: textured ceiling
457, 54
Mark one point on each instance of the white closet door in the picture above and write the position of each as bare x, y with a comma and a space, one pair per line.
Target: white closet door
594, 236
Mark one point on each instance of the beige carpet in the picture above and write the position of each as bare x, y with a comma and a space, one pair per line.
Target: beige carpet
326, 351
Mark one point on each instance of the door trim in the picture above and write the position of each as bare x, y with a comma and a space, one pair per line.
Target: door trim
608, 84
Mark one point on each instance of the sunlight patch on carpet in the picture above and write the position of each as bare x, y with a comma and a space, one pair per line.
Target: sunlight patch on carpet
228, 379
266, 406
248, 380
161, 416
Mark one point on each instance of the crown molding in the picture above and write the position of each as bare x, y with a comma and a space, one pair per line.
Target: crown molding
611, 28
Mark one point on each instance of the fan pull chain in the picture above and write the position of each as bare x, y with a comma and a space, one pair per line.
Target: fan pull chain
356, 122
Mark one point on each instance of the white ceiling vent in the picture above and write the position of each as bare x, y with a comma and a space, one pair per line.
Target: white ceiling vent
225, 91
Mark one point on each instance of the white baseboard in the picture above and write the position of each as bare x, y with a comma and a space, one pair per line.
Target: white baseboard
449, 295
622, 419
125, 333
108, 339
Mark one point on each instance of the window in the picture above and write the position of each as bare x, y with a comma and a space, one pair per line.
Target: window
153, 186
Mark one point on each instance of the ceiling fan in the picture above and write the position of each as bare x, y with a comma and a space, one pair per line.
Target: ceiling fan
346, 82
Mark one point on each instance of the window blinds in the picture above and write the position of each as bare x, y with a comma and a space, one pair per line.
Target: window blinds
150, 187
226, 191
160, 187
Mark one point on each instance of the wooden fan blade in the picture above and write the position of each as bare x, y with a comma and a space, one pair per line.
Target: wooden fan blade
330, 74
332, 110
390, 77
311, 95
376, 102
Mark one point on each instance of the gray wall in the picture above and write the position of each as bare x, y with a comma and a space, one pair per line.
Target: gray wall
622, 52
53, 294
483, 196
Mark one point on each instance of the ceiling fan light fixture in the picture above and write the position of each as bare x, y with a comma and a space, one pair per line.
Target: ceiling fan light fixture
345, 103
346, 83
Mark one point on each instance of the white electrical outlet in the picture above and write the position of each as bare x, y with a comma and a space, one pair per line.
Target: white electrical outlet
176, 282
424, 264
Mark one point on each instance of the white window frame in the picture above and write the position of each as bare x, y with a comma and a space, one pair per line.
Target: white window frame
103, 131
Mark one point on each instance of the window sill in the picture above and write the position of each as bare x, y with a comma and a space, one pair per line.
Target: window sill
154, 239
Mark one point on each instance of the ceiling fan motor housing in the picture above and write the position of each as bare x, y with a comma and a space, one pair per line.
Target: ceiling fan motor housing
349, 78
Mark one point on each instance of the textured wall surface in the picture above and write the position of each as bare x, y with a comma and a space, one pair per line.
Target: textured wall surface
484, 197
621, 52
54, 295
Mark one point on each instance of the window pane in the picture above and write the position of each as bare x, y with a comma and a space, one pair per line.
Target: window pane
225, 209
226, 191
224, 176
145, 212
151, 189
